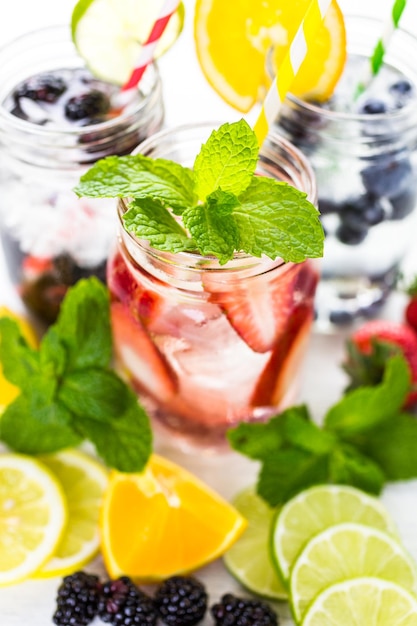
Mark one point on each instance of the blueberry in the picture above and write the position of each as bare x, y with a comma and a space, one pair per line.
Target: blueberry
328, 206
87, 105
388, 177
341, 317
351, 235
404, 203
41, 88
402, 87
373, 107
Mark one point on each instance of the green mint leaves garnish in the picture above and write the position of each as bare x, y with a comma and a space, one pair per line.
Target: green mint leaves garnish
69, 393
366, 440
217, 208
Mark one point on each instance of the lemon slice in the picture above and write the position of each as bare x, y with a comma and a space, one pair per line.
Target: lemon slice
9, 392
343, 552
317, 508
164, 521
369, 601
33, 515
84, 481
233, 41
249, 559
109, 34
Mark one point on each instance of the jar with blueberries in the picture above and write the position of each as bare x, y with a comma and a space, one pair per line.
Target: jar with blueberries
363, 151
56, 119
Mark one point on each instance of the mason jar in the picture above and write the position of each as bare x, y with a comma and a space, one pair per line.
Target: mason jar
50, 237
365, 162
181, 330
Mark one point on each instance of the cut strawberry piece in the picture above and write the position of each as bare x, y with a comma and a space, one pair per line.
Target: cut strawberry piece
120, 280
258, 307
145, 363
33, 266
284, 363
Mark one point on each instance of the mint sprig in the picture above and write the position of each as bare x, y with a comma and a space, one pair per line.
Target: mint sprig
68, 391
217, 208
365, 441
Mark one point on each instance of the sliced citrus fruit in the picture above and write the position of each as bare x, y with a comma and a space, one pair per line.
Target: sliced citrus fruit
234, 39
164, 521
369, 601
9, 392
33, 515
84, 481
249, 559
317, 508
346, 551
109, 34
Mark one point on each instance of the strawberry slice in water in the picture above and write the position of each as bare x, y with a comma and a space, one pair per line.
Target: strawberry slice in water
145, 364
282, 367
259, 307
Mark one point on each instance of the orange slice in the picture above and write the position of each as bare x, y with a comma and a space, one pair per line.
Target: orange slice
9, 392
233, 40
164, 521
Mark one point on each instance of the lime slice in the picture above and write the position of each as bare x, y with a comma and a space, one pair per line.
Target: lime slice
32, 516
317, 508
84, 481
249, 560
109, 34
347, 551
369, 601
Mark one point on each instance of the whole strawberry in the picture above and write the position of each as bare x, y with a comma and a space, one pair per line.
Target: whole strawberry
372, 345
410, 312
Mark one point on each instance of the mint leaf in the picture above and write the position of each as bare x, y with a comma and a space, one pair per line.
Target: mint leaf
32, 426
365, 407
306, 435
95, 394
19, 361
288, 472
348, 466
124, 442
392, 445
257, 441
148, 219
141, 177
227, 160
277, 220
83, 325
212, 225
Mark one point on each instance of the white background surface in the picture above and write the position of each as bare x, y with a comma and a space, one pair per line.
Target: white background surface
189, 98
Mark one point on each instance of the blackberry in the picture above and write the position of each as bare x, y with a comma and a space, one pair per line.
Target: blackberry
77, 600
87, 105
233, 611
123, 604
181, 601
41, 88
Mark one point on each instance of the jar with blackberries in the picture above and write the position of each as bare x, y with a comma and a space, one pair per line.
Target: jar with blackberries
56, 119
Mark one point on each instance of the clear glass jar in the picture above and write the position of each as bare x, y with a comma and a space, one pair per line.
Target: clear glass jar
180, 327
366, 170
50, 237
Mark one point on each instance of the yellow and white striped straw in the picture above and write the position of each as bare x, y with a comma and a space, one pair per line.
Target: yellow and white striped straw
289, 67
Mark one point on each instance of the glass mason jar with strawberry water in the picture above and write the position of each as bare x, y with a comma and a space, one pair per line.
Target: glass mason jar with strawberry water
56, 119
207, 345
363, 149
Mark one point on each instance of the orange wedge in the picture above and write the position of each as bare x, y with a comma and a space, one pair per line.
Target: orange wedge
233, 41
9, 392
163, 522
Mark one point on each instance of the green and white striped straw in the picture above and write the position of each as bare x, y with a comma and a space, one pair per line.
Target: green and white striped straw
378, 54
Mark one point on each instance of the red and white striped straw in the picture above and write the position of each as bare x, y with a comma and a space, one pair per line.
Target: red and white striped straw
147, 52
